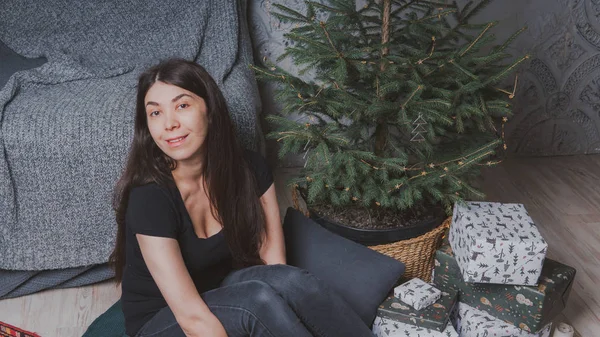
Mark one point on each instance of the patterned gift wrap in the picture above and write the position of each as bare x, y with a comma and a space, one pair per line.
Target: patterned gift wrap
532, 308
12, 331
383, 327
470, 322
417, 293
434, 317
496, 243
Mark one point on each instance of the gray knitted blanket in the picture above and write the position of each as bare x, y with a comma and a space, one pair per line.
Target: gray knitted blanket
65, 127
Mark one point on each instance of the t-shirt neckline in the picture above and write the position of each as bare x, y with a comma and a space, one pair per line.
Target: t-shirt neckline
187, 217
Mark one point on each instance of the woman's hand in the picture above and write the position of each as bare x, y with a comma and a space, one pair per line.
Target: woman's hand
210, 326
214, 328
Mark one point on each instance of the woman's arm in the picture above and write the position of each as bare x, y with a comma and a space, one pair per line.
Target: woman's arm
273, 248
165, 262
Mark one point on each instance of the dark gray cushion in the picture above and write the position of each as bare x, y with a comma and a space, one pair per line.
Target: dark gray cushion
11, 62
362, 276
110, 324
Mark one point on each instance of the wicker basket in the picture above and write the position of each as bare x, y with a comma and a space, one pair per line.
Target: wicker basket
417, 254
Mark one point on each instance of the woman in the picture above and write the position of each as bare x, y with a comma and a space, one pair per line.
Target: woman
200, 249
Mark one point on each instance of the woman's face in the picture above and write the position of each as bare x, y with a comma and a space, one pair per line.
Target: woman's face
177, 120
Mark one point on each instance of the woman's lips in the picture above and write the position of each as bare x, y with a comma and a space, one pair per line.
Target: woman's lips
175, 142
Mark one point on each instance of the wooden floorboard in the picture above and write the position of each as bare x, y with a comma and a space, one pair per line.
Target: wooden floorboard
562, 195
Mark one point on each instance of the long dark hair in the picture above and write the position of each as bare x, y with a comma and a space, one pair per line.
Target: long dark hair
231, 186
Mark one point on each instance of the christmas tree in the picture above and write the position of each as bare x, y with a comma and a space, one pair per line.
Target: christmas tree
405, 106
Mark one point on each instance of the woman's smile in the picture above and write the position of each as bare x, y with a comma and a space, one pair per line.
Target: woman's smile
176, 141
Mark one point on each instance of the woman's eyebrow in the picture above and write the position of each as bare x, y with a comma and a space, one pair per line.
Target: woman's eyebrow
173, 100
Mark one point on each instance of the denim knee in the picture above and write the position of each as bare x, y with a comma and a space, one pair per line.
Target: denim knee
284, 279
259, 292
260, 296
261, 300
295, 280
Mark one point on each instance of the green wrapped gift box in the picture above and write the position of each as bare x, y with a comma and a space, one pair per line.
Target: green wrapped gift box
433, 317
528, 307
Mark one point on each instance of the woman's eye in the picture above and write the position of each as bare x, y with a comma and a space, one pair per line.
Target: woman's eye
185, 105
154, 113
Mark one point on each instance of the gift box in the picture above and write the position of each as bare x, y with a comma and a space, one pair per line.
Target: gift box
417, 293
434, 317
383, 327
531, 307
496, 243
470, 322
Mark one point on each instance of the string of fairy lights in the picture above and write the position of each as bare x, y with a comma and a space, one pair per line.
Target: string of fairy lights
460, 161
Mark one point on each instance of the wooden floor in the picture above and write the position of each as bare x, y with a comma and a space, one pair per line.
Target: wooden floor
562, 195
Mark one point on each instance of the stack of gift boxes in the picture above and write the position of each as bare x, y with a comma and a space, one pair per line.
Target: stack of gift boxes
416, 309
493, 279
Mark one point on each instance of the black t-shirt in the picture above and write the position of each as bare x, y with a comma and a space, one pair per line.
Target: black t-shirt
159, 211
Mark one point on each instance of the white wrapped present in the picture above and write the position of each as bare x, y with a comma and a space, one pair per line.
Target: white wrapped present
417, 293
385, 327
470, 322
496, 243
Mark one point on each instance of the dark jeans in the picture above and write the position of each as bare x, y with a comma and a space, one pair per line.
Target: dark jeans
274, 301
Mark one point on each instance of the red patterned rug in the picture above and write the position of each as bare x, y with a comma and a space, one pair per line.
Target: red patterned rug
7, 330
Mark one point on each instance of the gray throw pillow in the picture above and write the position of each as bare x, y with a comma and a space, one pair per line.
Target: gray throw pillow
11, 62
362, 276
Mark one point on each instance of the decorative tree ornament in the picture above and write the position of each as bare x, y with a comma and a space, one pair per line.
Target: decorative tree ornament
419, 129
